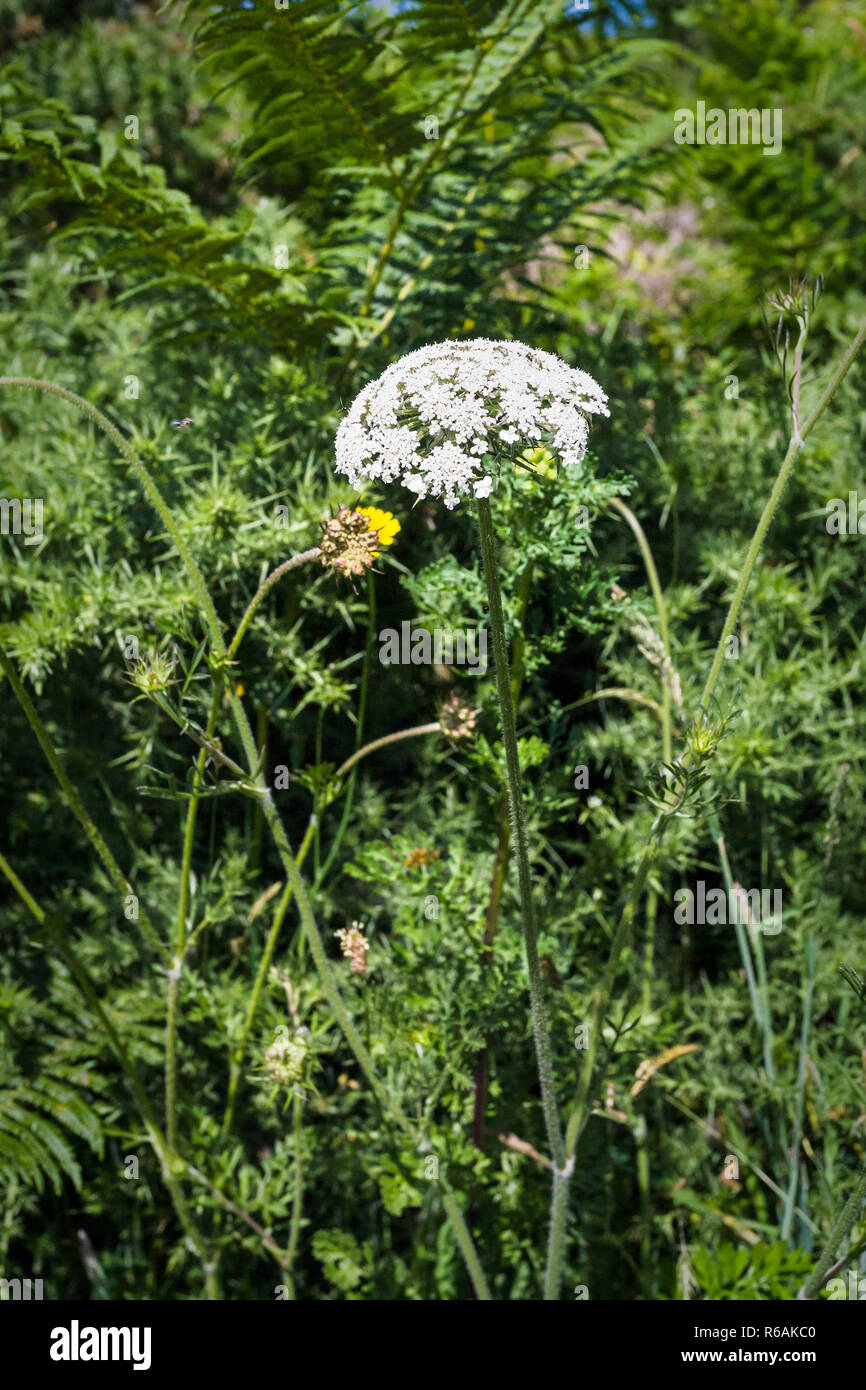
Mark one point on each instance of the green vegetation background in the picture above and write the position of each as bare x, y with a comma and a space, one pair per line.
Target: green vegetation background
283, 227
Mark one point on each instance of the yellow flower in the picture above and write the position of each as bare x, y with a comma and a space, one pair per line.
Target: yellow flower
384, 524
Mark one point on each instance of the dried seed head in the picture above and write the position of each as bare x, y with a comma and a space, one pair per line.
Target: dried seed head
349, 544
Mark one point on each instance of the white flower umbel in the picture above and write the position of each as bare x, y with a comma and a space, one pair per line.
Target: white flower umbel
439, 417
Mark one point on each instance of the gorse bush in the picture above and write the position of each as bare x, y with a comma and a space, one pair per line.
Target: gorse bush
392, 779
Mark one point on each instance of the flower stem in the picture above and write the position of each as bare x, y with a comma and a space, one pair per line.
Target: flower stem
180, 939
261, 974
143, 476
383, 742
56, 934
603, 994
264, 589
521, 842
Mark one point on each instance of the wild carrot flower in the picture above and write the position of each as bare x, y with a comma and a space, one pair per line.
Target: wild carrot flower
354, 945
457, 717
440, 418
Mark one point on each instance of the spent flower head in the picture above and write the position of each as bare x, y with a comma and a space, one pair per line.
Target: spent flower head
349, 543
441, 417
284, 1060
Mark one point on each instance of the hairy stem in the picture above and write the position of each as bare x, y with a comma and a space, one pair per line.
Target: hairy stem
264, 589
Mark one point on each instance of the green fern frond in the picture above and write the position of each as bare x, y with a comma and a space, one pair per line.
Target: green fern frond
44, 1103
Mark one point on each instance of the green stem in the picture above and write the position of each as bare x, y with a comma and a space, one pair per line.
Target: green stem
667, 742
264, 589
261, 974
540, 1027
602, 996
267, 1240
29, 901
464, 1240
144, 478
157, 1141
661, 608
739, 928
800, 1098
297, 1201
112, 868
180, 939
359, 735
521, 841
794, 447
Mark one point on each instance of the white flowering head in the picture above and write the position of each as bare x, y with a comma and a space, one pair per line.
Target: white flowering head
440, 419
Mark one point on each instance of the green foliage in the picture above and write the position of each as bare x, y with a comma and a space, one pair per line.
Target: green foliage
46, 1099
757, 1272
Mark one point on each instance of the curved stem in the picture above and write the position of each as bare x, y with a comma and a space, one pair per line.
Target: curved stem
617, 692
264, 589
142, 474
383, 742
521, 843
661, 608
